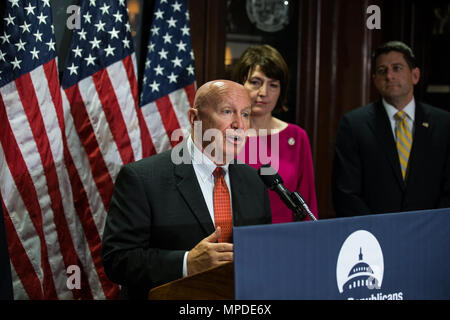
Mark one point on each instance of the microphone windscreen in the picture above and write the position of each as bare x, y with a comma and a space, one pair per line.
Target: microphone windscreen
269, 176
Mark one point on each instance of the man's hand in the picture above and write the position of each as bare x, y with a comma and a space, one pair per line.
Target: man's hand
208, 253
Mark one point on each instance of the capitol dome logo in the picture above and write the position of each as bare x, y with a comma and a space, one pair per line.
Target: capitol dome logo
360, 264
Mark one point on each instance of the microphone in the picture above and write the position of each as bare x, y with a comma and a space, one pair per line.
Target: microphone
293, 200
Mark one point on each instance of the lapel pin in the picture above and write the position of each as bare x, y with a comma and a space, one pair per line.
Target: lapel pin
425, 124
291, 141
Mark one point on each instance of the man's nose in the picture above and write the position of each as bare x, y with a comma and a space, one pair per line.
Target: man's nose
238, 121
390, 74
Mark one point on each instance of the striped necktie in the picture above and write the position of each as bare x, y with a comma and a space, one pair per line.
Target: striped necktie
403, 134
222, 206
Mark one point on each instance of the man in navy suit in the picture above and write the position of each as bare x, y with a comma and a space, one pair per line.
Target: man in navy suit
161, 224
391, 161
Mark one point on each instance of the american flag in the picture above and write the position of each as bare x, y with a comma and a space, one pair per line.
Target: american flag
34, 183
61, 149
169, 79
106, 126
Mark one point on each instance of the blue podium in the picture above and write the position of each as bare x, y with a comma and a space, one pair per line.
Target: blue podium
398, 256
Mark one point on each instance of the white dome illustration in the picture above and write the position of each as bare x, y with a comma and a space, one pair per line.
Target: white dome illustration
360, 262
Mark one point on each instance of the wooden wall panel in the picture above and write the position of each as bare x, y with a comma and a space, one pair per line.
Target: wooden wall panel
334, 78
208, 38
197, 12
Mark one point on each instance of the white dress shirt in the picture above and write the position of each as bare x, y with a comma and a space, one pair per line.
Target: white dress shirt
204, 168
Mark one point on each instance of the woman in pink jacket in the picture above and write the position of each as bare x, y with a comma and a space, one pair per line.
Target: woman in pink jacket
264, 73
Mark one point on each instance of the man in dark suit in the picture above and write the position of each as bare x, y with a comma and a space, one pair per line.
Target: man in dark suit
392, 155
162, 223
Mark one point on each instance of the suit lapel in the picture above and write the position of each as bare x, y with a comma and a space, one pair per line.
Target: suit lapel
189, 189
238, 192
419, 146
381, 127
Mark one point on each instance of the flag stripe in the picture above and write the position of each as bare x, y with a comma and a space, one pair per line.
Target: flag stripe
24, 228
67, 248
55, 130
84, 210
113, 114
19, 215
25, 185
84, 214
190, 93
101, 129
157, 131
107, 127
75, 184
181, 105
87, 137
168, 116
122, 87
83, 168
21, 261
18, 286
82, 207
147, 144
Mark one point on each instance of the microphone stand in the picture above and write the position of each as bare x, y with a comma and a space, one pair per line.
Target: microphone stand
302, 207
293, 200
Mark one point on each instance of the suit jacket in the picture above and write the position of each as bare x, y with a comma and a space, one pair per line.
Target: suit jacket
158, 213
366, 170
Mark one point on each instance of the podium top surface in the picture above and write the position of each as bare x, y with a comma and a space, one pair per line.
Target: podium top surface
216, 283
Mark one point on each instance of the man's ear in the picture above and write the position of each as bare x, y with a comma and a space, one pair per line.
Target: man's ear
192, 115
415, 75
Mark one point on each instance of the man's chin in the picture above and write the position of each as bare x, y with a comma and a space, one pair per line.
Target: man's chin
231, 153
395, 91
234, 147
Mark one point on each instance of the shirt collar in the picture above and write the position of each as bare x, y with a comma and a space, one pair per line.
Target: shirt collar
410, 109
204, 165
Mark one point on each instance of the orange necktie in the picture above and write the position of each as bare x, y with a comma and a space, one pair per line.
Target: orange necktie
222, 206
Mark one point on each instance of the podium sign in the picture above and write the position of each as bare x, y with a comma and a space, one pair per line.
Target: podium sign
399, 256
